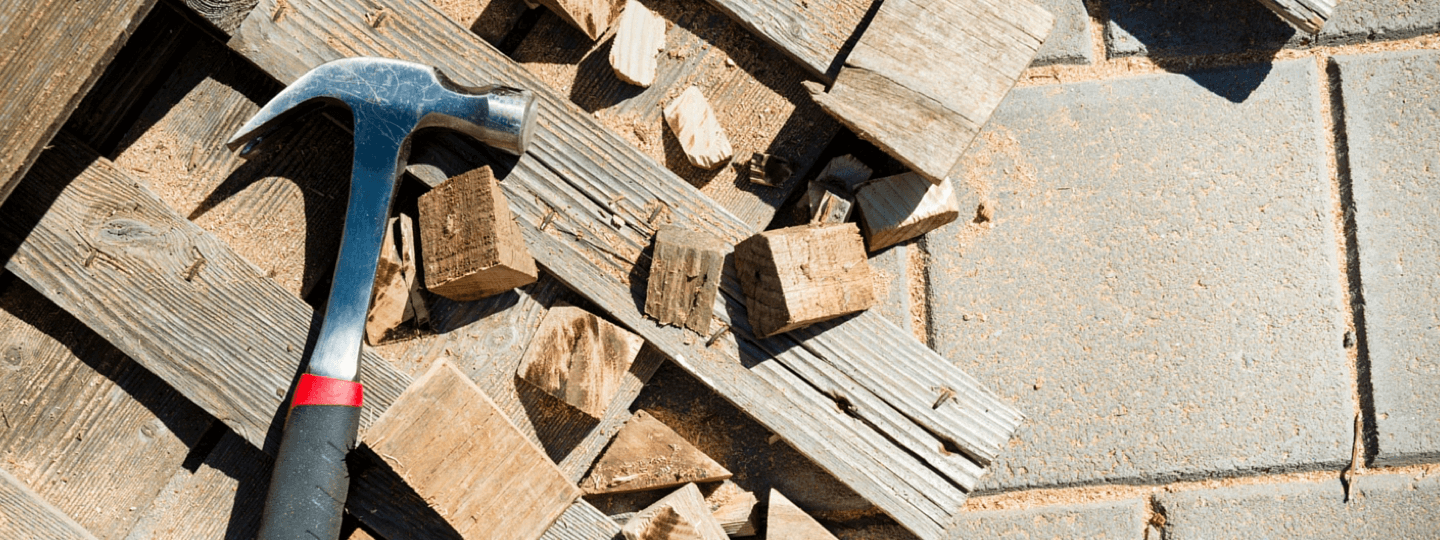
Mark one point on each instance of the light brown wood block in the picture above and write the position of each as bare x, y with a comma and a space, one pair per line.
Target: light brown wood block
699, 131
682, 515
646, 454
798, 276
639, 37
685, 273
593, 17
897, 208
579, 358
470, 244
390, 300
460, 452
926, 75
734, 508
788, 521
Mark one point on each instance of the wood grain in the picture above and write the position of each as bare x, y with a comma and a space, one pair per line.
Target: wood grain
833, 209
734, 508
798, 276
925, 76
471, 246
1306, 15
492, 20
391, 292
51, 53
812, 32
693, 122
593, 17
639, 36
646, 455
785, 520
685, 273
579, 359
25, 515
222, 498
681, 515
897, 208
226, 15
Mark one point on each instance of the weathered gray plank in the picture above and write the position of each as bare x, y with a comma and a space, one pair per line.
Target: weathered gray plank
1307, 15
24, 515
575, 168
51, 53
222, 498
813, 32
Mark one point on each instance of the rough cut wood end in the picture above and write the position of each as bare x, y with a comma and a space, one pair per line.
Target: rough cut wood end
638, 38
768, 170
699, 131
579, 359
1305, 15
470, 245
786, 520
834, 208
798, 276
460, 452
735, 509
681, 515
593, 17
897, 208
684, 280
645, 455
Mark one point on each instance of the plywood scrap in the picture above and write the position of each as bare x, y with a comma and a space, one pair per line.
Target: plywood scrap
897, 208
639, 37
682, 515
646, 454
25, 514
768, 170
579, 358
699, 131
593, 17
734, 508
1306, 15
394, 279
685, 273
843, 175
785, 520
798, 276
460, 452
921, 92
471, 246
834, 208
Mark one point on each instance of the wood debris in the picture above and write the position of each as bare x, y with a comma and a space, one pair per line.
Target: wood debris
897, 208
685, 273
734, 508
699, 131
843, 175
1305, 15
593, 17
472, 247
833, 208
681, 515
798, 276
785, 520
768, 170
579, 359
638, 38
390, 301
646, 454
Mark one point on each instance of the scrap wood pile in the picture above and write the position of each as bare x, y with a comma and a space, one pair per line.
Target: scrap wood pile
520, 304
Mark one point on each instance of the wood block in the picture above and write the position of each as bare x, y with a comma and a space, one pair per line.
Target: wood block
25, 515
734, 508
788, 521
926, 75
843, 174
579, 358
768, 170
897, 208
1306, 15
700, 134
593, 17
833, 209
682, 515
393, 282
685, 273
646, 454
470, 245
459, 452
639, 37
798, 276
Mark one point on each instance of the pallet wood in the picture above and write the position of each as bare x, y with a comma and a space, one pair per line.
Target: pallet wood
647, 455
685, 273
25, 515
911, 459
492, 20
798, 276
925, 76
1305, 15
51, 53
897, 208
638, 38
222, 498
681, 515
232, 340
813, 33
579, 359
472, 246
504, 487
785, 520
693, 122
734, 508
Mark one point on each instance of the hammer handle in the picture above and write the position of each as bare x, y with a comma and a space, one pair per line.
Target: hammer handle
310, 481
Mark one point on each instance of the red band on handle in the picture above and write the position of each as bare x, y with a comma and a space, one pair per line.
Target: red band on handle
317, 390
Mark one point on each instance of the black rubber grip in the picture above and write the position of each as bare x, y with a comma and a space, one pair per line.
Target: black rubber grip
310, 481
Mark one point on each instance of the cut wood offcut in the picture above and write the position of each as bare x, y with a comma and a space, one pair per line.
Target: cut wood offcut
926, 75
646, 454
638, 38
897, 208
681, 515
685, 278
579, 359
699, 131
788, 521
842, 175
593, 17
471, 246
734, 508
798, 276
394, 280
1306, 15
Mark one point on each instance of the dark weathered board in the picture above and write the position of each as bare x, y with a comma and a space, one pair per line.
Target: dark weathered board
25, 514
913, 460
51, 52
87, 428
813, 32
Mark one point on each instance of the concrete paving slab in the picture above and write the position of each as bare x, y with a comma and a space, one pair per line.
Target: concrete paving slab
1392, 124
1070, 41
1109, 520
1381, 506
1160, 290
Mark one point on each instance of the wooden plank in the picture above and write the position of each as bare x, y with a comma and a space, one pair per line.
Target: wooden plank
685, 273
798, 276
682, 515
1306, 15
925, 76
785, 520
51, 53
897, 208
492, 20
812, 32
226, 15
579, 359
647, 455
471, 245
25, 515
602, 175
222, 498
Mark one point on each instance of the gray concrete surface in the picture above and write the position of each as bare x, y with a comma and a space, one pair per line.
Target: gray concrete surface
1186, 27
1392, 124
1070, 41
1123, 520
1382, 506
1160, 292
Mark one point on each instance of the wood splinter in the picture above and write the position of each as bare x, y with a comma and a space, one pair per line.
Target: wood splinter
698, 129
798, 276
579, 359
682, 515
897, 208
638, 38
645, 455
685, 273
470, 244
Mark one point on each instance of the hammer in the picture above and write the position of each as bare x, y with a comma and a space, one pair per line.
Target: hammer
389, 100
